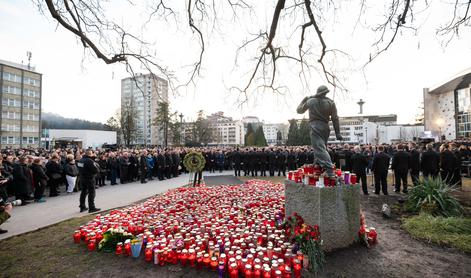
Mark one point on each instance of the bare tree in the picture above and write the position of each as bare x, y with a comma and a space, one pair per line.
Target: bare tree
111, 43
128, 121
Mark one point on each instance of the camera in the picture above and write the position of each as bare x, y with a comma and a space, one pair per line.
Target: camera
13, 203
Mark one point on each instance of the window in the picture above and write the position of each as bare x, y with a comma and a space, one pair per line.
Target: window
12, 90
11, 77
10, 127
30, 104
11, 102
31, 81
30, 128
31, 93
9, 140
11, 115
30, 140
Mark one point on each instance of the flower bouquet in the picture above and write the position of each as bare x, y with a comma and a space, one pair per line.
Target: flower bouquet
111, 238
308, 239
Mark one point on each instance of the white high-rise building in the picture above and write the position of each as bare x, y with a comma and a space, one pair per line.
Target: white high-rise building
143, 93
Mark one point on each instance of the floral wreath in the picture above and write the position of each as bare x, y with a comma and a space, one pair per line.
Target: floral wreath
194, 161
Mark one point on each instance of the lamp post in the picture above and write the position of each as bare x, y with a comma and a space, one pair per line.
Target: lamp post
439, 122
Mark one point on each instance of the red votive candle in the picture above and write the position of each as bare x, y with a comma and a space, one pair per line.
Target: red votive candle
91, 245
214, 263
77, 236
248, 271
119, 248
233, 271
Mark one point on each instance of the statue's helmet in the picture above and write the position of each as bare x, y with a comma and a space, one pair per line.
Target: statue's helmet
322, 90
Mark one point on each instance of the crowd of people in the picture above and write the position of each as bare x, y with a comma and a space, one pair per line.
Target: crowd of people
27, 173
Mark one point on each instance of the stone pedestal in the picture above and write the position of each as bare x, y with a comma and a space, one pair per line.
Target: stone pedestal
335, 209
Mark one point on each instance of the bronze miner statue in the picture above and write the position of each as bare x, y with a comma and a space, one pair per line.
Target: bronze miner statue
321, 110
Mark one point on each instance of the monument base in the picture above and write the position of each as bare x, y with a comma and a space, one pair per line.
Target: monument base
335, 209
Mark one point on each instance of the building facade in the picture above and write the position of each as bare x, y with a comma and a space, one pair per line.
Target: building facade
271, 133
81, 138
362, 129
225, 130
142, 94
447, 107
20, 109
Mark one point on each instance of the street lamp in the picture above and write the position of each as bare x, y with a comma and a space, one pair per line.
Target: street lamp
440, 122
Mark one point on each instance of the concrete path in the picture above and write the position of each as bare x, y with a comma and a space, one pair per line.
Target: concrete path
37, 215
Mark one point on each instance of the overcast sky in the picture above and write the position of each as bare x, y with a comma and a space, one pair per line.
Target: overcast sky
76, 84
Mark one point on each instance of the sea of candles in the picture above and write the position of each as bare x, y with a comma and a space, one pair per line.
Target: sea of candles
231, 230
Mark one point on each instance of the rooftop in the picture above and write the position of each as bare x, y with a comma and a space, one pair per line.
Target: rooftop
459, 81
19, 66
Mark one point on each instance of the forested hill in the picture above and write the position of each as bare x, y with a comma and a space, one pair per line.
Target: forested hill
54, 121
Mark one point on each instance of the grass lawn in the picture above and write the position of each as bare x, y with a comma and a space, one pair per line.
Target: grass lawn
451, 231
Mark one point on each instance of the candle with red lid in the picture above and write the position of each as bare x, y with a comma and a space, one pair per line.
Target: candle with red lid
77, 236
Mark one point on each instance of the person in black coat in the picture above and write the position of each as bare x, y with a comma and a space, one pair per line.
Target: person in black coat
87, 172
430, 162
380, 168
447, 162
359, 163
291, 160
40, 180
236, 159
133, 167
346, 155
401, 166
112, 165
22, 180
271, 162
263, 162
143, 166
176, 163
302, 158
124, 168
168, 164
281, 162
160, 165
254, 162
414, 163
54, 172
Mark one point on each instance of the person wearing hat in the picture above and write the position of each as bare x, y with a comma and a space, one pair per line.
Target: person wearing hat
321, 111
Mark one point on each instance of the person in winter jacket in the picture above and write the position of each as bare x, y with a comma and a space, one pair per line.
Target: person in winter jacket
71, 173
39, 179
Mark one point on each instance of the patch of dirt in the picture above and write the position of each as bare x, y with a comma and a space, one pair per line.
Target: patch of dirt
397, 254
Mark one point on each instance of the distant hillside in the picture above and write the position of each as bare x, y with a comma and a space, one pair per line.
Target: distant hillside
54, 121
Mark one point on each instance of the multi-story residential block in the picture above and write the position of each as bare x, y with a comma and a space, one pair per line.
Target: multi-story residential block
142, 94
20, 109
225, 130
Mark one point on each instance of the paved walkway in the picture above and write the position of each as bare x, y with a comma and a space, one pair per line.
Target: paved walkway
38, 215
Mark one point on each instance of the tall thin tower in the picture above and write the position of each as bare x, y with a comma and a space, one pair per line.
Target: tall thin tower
360, 103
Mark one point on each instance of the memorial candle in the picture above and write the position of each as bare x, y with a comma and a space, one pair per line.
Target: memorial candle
248, 271
148, 254
297, 268
266, 272
77, 236
119, 248
206, 260
91, 245
214, 263
233, 271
